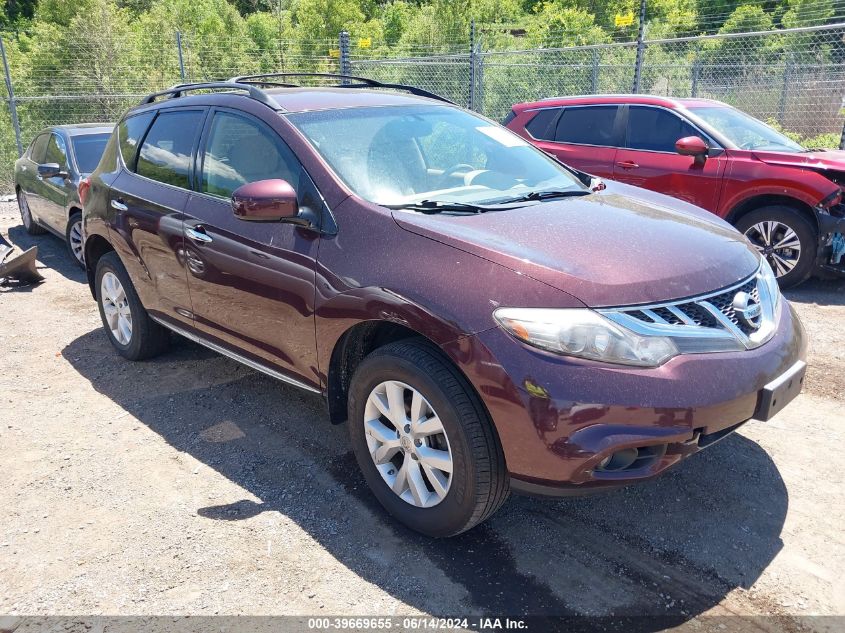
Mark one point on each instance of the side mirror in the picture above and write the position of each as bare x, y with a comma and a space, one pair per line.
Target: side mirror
692, 146
265, 201
51, 170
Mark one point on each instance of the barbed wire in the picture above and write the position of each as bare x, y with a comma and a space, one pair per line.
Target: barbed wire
794, 77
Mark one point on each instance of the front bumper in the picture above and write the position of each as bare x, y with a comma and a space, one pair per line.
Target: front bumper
559, 417
831, 232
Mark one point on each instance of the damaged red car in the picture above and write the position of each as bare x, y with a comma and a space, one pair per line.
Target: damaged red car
786, 199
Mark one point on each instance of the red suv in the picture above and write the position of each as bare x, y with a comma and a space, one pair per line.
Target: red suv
482, 317
784, 198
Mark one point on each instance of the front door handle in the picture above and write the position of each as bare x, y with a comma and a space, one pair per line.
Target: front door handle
627, 164
198, 235
117, 204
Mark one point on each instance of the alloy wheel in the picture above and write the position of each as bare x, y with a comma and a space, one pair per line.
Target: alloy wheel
75, 240
116, 308
778, 243
408, 444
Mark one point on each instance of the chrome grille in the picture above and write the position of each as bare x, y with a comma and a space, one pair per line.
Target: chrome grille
699, 315
705, 323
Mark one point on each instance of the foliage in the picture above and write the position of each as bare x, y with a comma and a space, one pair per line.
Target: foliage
829, 140
99, 56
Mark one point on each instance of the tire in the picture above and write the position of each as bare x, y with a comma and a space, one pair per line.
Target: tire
73, 237
146, 337
780, 220
32, 227
478, 484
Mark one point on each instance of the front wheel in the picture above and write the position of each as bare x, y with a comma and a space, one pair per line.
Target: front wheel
423, 441
785, 238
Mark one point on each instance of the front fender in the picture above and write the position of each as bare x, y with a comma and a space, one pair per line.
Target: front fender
750, 179
373, 270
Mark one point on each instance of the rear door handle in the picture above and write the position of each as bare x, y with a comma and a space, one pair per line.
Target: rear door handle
627, 164
117, 204
198, 235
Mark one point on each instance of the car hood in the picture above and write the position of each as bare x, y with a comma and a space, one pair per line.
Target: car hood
828, 159
622, 246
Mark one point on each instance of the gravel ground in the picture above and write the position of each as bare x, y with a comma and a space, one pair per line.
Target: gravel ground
192, 485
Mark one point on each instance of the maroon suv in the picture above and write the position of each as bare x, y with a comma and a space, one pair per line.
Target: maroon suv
483, 318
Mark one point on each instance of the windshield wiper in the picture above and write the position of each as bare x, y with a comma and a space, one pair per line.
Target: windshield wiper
440, 206
538, 196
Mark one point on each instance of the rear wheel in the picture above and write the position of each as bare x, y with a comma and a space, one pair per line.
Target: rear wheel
32, 227
130, 329
423, 440
785, 238
73, 235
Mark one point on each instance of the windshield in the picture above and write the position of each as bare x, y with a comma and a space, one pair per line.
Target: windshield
88, 149
745, 131
403, 155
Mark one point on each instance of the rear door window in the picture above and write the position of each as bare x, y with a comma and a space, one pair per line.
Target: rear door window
655, 129
165, 154
39, 148
588, 125
541, 126
129, 134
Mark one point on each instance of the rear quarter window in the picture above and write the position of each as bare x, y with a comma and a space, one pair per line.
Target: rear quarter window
541, 125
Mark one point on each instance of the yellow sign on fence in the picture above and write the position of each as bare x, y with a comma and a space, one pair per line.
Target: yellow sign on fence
626, 19
334, 52
365, 42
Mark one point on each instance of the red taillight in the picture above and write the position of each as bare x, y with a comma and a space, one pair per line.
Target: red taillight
83, 189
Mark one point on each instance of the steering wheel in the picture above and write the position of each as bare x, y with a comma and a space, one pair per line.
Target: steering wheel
451, 171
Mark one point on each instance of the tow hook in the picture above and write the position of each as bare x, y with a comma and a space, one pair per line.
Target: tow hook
837, 248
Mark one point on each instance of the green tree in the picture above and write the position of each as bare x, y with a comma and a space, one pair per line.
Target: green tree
60, 12
19, 10
324, 19
395, 15
438, 25
556, 24
807, 13
214, 35
747, 18
248, 7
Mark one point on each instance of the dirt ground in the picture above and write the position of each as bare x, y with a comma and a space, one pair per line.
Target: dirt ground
192, 485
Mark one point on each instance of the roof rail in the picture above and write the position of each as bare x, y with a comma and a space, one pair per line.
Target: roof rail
176, 91
364, 82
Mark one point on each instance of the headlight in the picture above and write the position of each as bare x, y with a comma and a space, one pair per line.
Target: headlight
586, 334
767, 275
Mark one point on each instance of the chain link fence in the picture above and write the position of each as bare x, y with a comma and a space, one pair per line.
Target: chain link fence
792, 78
